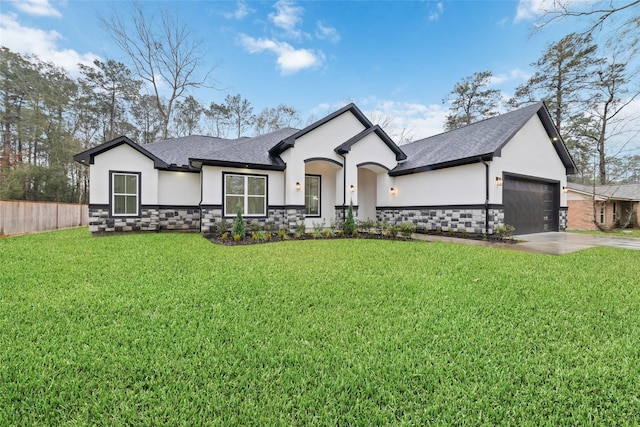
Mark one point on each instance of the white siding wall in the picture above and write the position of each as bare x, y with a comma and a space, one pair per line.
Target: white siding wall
178, 188
369, 149
122, 158
318, 143
461, 185
530, 152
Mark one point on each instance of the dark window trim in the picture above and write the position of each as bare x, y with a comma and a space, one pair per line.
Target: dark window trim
139, 175
319, 196
244, 215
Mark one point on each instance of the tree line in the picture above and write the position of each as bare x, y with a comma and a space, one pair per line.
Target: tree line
48, 116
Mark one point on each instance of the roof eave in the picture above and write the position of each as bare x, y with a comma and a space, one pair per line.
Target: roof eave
198, 163
345, 147
87, 157
443, 165
557, 141
289, 142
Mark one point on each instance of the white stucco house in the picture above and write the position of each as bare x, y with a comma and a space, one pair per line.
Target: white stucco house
507, 169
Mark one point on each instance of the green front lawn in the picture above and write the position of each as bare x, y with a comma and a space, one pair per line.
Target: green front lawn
169, 329
618, 232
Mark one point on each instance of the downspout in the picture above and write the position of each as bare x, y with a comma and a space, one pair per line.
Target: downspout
201, 197
344, 186
486, 196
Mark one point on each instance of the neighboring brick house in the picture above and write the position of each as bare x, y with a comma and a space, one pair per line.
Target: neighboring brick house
609, 206
506, 169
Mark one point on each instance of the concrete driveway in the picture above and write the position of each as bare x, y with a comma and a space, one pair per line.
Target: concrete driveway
552, 243
558, 243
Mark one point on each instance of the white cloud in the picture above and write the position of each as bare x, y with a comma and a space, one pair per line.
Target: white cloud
290, 60
36, 7
512, 75
287, 17
411, 120
437, 12
532, 9
328, 33
242, 11
43, 44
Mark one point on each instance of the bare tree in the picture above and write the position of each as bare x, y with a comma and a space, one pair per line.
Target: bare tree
611, 96
601, 13
271, 119
164, 54
387, 123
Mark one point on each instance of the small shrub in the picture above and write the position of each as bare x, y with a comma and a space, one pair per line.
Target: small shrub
438, 230
224, 237
451, 231
223, 226
317, 229
282, 234
393, 231
366, 225
464, 233
327, 232
300, 229
268, 236
349, 225
254, 236
505, 231
238, 225
255, 226
407, 229
237, 237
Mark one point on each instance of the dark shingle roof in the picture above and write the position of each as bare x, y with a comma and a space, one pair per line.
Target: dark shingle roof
178, 151
212, 150
250, 151
467, 144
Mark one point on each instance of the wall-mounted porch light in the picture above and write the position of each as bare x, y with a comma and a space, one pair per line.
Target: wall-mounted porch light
298, 186
352, 188
565, 189
393, 190
498, 181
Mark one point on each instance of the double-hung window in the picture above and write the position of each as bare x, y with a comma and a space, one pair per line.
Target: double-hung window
125, 194
312, 195
601, 212
247, 191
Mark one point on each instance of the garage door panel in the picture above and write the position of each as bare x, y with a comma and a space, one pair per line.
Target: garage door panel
530, 206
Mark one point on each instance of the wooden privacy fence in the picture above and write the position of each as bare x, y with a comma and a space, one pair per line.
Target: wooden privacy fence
22, 217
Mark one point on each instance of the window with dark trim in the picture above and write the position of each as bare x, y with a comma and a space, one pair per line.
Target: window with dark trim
615, 211
248, 191
125, 194
312, 195
602, 213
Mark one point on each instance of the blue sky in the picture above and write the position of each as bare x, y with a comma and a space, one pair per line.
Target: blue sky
395, 58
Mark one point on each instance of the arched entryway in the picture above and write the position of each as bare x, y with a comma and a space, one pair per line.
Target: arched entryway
320, 190
368, 174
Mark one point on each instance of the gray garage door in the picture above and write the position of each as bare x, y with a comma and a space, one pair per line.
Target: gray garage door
531, 206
